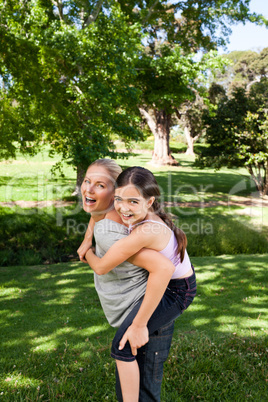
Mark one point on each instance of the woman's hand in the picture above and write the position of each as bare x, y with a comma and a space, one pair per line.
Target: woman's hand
137, 337
85, 246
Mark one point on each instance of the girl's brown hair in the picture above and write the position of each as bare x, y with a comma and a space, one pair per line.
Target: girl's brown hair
147, 185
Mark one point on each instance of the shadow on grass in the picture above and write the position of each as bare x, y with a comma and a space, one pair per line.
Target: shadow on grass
56, 342
231, 296
197, 181
52, 326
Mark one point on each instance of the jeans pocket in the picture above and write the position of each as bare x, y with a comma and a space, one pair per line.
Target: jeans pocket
159, 359
155, 361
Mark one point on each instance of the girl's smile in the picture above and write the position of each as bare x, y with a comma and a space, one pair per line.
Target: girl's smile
130, 204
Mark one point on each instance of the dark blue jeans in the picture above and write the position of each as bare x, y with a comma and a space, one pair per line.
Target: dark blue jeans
177, 297
151, 358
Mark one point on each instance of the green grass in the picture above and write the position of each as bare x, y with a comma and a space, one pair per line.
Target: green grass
33, 235
54, 338
50, 235
56, 342
30, 179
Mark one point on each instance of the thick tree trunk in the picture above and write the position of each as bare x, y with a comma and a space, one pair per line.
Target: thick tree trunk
80, 174
160, 127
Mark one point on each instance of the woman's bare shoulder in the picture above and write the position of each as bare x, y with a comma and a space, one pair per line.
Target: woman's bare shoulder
113, 216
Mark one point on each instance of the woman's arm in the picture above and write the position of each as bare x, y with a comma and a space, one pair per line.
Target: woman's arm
160, 271
120, 251
87, 242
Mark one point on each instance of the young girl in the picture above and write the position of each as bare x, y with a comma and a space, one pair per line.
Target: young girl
136, 203
127, 289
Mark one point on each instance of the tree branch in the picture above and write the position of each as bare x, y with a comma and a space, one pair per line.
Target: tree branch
150, 11
150, 121
59, 4
95, 12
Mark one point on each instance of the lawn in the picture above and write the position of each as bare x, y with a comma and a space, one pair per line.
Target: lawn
200, 201
55, 340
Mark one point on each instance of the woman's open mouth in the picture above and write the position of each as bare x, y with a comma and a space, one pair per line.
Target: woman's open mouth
89, 201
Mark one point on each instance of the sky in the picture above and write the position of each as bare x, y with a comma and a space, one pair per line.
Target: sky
250, 36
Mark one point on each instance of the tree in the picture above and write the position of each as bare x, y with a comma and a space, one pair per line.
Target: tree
166, 70
245, 69
68, 68
68, 76
165, 82
237, 134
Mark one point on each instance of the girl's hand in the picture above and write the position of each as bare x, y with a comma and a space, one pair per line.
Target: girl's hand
85, 246
137, 337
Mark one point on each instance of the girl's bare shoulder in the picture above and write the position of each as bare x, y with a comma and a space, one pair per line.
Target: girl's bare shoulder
154, 227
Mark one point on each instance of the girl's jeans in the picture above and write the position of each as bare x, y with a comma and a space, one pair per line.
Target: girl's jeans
151, 358
178, 296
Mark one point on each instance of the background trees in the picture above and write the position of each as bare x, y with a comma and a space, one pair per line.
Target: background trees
237, 133
67, 77
175, 33
76, 73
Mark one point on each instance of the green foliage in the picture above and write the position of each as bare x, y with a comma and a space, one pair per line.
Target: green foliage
33, 236
247, 67
237, 134
68, 68
214, 231
69, 82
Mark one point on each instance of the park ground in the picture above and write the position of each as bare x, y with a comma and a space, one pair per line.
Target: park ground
54, 338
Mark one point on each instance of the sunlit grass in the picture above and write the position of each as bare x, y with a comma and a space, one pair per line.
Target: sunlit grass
55, 340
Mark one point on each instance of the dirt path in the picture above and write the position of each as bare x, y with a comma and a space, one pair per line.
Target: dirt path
234, 200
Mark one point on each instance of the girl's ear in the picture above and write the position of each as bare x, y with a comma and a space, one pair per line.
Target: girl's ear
150, 202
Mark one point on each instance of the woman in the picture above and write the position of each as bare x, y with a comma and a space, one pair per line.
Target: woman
97, 191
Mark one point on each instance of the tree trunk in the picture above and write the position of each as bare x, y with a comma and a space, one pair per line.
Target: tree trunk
190, 140
80, 174
160, 128
260, 182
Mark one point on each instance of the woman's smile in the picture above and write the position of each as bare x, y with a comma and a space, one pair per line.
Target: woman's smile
97, 191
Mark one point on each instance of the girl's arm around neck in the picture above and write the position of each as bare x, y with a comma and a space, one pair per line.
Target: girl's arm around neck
121, 251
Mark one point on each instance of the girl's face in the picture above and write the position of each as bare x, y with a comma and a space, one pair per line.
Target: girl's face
131, 205
97, 191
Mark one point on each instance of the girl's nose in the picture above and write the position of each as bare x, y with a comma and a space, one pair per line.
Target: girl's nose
124, 207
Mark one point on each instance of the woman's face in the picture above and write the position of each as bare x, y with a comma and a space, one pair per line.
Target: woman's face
97, 190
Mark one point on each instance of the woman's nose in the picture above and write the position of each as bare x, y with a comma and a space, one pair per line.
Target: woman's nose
90, 188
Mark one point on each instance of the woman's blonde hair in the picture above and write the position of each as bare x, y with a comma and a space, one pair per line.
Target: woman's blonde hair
110, 165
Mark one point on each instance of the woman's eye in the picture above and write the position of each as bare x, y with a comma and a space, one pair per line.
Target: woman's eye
101, 185
134, 202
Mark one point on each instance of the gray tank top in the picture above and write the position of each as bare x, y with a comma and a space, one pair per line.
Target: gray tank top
121, 288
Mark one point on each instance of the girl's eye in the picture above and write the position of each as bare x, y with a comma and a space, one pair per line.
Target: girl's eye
133, 202
101, 185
